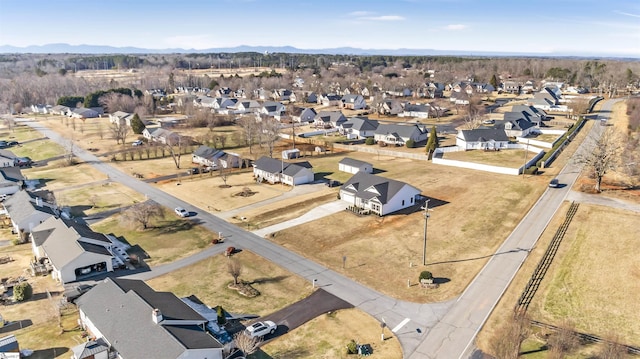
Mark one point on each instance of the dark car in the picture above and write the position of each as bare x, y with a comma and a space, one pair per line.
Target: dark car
13, 143
193, 171
554, 183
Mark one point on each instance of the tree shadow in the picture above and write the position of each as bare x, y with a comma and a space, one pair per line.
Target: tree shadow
481, 257
541, 349
79, 211
168, 227
269, 280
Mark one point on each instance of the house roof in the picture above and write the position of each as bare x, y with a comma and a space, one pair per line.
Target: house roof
517, 121
403, 131
12, 174
272, 165
21, 205
334, 117
9, 344
529, 111
369, 186
8, 154
354, 163
64, 244
85, 231
361, 124
114, 304
484, 135
417, 108
89, 349
351, 98
207, 152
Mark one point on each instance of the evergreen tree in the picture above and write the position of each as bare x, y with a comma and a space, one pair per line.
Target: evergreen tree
136, 124
432, 142
494, 81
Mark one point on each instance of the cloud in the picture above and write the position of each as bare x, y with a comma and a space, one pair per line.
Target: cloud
455, 27
626, 13
371, 16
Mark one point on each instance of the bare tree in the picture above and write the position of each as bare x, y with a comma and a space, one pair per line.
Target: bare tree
604, 155
100, 130
141, 214
475, 111
247, 344
175, 145
69, 156
119, 132
507, 340
269, 133
234, 268
114, 101
223, 172
563, 341
249, 129
612, 349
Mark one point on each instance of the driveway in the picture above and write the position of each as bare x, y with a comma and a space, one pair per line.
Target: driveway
601, 200
295, 315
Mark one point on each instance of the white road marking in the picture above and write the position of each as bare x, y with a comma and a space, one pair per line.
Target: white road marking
402, 323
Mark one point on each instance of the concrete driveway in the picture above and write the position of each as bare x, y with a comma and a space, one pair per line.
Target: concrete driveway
324, 210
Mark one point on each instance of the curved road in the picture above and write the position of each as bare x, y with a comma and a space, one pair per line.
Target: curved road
434, 330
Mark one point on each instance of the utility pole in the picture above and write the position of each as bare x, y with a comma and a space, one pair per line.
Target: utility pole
426, 219
524, 166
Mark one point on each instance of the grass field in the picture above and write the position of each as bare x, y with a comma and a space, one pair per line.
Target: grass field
57, 178
323, 337
167, 240
32, 144
505, 158
94, 198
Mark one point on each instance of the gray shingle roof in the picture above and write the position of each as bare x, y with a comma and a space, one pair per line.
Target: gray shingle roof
21, 205
484, 134
334, 117
403, 131
115, 305
272, 165
361, 184
207, 152
353, 162
89, 349
361, 124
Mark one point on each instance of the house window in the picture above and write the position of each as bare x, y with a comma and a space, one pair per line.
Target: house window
411, 200
403, 202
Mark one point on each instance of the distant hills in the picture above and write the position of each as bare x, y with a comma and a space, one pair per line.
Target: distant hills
98, 49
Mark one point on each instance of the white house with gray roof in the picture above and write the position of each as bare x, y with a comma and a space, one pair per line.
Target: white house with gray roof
73, 249
398, 135
329, 119
358, 127
354, 102
275, 171
482, 138
27, 210
378, 194
138, 322
351, 165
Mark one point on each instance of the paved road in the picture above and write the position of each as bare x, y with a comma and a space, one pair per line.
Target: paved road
454, 335
602, 201
408, 321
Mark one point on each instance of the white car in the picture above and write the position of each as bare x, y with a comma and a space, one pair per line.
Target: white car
260, 329
181, 212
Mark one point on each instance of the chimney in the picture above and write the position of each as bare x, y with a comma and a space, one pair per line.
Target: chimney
157, 316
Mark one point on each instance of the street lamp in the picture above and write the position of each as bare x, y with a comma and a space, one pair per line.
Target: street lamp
426, 219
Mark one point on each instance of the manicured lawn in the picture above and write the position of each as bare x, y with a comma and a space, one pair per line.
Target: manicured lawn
506, 158
105, 196
64, 177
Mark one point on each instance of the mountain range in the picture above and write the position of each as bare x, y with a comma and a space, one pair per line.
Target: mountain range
62, 48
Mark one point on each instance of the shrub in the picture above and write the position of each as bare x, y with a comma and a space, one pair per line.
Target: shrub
369, 141
533, 170
22, 292
426, 275
352, 347
410, 143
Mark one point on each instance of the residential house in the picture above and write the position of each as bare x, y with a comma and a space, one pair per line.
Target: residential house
303, 114
511, 87
161, 135
261, 94
398, 135
41, 109
358, 127
547, 99
330, 99
283, 95
354, 102
482, 87
405, 92
275, 171
164, 327
351, 165
73, 250
329, 119
516, 125
84, 113
9, 347
482, 139
11, 180
272, 109
416, 110
312, 98
230, 160
240, 93
246, 106
224, 104
92, 349
121, 118
28, 210
435, 90
204, 102
224, 92
531, 113
60, 110
377, 194
529, 87
206, 156
460, 98
390, 107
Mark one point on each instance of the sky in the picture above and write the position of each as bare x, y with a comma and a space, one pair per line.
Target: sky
530, 26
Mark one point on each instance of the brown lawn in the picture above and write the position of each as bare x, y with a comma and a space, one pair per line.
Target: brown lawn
506, 158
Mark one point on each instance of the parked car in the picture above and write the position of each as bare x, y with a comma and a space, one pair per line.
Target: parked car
137, 143
13, 143
554, 183
260, 329
181, 212
193, 171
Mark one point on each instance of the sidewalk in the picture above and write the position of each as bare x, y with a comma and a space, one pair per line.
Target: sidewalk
324, 210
